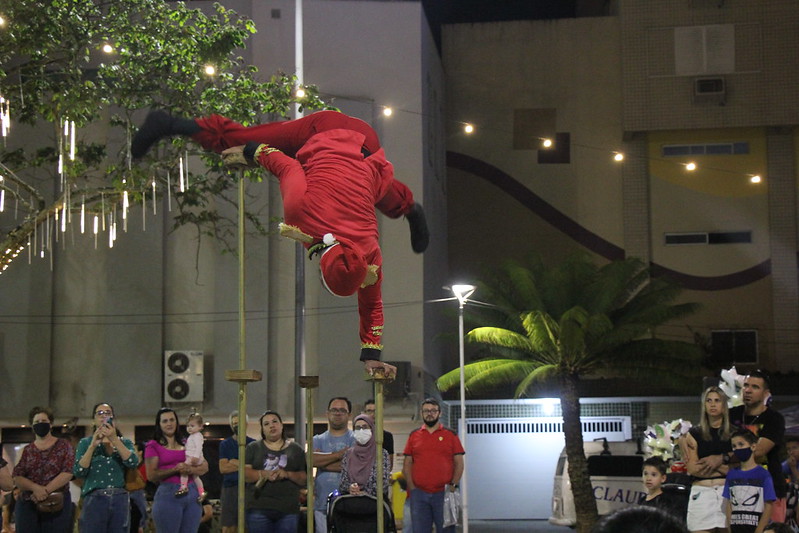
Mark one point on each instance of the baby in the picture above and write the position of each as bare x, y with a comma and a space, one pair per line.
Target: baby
194, 455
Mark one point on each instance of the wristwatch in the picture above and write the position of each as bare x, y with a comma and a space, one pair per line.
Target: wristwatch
725, 459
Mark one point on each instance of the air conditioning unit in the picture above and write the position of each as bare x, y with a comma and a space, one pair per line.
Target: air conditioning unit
183, 376
710, 90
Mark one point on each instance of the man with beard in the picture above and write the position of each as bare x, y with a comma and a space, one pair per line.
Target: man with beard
329, 448
769, 426
433, 461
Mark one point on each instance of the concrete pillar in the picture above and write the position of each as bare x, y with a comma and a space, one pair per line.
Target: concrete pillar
635, 199
781, 162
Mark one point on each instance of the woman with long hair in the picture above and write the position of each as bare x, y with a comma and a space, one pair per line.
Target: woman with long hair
165, 461
706, 450
276, 470
44, 468
101, 461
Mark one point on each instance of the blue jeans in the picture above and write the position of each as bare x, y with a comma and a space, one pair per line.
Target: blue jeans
105, 511
29, 519
176, 514
265, 521
427, 508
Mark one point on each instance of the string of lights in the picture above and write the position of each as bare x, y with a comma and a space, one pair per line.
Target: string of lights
59, 216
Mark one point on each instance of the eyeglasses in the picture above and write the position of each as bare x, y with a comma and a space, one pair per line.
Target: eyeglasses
337, 411
362, 427
429, 411
104, 413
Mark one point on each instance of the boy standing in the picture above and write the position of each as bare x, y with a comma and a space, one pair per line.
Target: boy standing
653, 477
749, 490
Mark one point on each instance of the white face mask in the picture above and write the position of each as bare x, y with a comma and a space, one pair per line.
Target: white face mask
363, 435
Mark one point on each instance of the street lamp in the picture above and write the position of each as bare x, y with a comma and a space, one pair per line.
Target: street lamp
462, 293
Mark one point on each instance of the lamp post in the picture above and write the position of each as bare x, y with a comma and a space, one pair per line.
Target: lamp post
462, 293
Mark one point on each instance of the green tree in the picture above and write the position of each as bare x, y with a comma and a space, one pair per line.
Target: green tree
560, 325
96, 63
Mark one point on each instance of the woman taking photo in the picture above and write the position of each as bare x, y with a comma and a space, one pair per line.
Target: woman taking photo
706, 451
101, 461
164, 459
44, 468
358, 468
277, 469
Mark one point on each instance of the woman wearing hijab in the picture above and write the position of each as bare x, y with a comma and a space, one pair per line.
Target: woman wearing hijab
358, 467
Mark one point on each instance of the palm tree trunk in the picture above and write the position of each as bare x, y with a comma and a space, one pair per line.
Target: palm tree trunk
584, 502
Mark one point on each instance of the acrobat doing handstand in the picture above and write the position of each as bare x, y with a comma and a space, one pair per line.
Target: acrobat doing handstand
333, 174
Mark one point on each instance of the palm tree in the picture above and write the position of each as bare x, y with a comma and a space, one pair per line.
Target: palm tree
559, 325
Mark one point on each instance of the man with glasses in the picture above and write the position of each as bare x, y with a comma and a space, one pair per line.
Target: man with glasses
329, 448
388, 437
433, 463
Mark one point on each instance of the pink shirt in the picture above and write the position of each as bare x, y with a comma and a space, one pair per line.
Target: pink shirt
166, 459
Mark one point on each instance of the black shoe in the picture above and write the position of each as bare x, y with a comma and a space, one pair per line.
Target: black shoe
420, 235
157, 125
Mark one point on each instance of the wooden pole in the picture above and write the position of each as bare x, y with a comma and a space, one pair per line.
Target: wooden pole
309, 383
242, 376
379, 378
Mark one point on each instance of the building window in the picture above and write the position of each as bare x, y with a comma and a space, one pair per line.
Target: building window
734, 345
703, 237
730, 148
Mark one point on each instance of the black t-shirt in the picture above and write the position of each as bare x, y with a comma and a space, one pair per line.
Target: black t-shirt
388, 442
771, 425
283, 495
671, 503
714, 446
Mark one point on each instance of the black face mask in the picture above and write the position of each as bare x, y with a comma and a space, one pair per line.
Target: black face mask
743, 454
41, 428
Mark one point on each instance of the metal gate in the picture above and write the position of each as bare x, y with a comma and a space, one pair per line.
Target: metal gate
511, 462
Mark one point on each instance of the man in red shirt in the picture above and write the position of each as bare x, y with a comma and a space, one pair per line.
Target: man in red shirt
332, 173
433, 461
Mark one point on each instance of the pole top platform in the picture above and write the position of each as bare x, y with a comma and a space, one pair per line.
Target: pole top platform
308, 382
243, 376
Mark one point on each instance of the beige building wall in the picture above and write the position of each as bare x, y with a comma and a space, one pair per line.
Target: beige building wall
626, 83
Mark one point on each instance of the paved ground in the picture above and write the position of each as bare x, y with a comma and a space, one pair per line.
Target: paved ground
502, 526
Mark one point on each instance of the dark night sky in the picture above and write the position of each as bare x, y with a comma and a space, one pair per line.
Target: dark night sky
454, 11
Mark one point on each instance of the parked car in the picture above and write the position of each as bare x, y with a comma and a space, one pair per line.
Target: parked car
615, 470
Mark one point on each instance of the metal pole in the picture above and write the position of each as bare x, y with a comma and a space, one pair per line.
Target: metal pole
463, 428
299, 262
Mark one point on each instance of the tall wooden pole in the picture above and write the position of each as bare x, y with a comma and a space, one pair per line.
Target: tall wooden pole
379, 378
242, 376
309, 383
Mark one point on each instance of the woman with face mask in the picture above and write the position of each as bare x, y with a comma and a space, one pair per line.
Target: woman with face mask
358, 468
45, 468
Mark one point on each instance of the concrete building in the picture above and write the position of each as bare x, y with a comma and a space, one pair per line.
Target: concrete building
665, 85
88, 325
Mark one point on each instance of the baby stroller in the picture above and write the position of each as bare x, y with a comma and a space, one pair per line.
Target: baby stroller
347, 513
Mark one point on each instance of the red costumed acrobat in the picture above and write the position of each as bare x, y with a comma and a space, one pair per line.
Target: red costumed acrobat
332, 173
